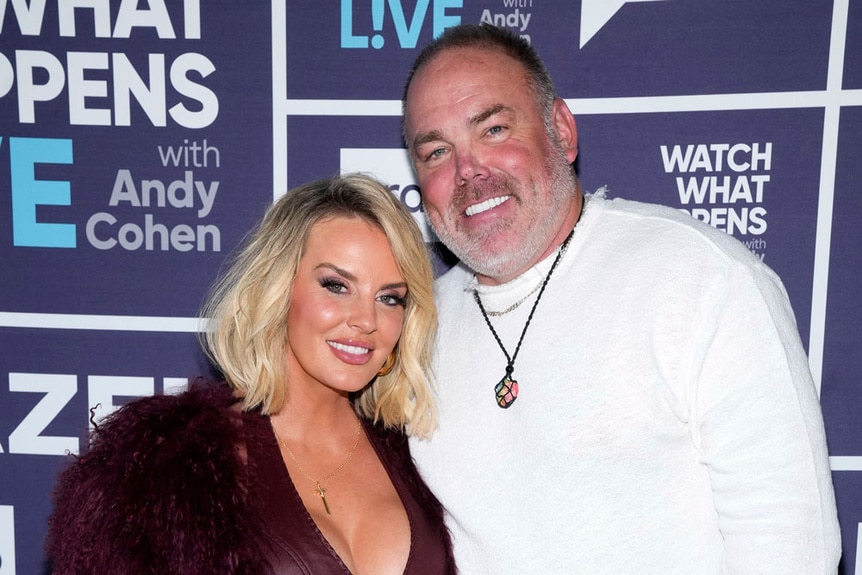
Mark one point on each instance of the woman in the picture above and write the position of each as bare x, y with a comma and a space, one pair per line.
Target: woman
322, 328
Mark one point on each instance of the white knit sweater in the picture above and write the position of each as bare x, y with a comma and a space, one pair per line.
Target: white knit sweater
667, 420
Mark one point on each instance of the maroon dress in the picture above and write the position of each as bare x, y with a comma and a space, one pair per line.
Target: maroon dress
190, 485
296, 544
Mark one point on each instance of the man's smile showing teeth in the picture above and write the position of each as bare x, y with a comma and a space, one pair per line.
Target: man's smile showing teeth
352, 349
485, 206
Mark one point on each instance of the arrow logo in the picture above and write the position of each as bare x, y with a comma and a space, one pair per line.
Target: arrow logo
597, 13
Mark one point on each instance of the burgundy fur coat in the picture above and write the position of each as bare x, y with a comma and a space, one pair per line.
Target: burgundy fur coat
190, 485
122, 493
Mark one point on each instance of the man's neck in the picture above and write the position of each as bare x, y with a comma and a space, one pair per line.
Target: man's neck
572, 218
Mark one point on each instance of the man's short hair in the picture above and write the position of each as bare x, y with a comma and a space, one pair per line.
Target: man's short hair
493, 38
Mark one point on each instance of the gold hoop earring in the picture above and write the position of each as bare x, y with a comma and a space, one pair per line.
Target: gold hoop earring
387, 365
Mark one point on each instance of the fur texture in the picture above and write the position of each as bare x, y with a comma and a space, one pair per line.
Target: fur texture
160, 490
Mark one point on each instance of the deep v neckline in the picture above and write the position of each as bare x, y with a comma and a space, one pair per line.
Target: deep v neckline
292, 492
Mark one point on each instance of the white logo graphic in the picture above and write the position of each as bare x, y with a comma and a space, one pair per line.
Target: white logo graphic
392, 166
7, 540
597, 13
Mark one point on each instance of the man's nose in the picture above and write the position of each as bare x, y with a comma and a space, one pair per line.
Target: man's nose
468, 165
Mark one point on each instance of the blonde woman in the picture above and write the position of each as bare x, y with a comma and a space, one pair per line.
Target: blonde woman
322, 328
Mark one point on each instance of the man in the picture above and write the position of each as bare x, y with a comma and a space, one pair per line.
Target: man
622, 388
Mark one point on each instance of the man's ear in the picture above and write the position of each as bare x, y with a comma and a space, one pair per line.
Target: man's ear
565, 128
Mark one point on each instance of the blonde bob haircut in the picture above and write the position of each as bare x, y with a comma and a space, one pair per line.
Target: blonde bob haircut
247, 308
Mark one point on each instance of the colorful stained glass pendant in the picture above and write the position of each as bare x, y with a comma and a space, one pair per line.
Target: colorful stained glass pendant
506, 391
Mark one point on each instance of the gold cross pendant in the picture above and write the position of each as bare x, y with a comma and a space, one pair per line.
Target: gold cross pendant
322, 492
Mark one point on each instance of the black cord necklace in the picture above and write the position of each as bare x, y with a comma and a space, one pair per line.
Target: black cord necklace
506, 391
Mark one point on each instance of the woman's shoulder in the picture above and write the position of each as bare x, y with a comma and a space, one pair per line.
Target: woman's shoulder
159, 428
387, 438
394, 449
145, 427
202, 397
159, 470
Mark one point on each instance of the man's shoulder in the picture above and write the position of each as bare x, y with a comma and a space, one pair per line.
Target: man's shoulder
672, 229
636, 210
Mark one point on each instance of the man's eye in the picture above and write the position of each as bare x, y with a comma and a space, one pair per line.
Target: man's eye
435, 154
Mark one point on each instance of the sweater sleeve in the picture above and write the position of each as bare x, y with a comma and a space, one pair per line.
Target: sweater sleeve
760, 432
158, 490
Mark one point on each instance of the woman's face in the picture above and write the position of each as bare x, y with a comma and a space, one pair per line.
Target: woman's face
347, 307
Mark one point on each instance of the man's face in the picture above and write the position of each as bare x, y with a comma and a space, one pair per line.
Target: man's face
496, 187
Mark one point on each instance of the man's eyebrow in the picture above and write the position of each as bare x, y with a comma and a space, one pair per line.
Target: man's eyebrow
435, 135
431, 136
485, 114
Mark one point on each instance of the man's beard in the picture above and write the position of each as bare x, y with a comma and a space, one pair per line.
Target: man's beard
540, 223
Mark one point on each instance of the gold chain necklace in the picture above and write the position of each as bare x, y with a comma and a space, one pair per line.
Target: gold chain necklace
320, 489
515, 305
518, 303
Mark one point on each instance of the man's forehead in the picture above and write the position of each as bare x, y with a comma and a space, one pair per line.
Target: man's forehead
452, 73
471, 79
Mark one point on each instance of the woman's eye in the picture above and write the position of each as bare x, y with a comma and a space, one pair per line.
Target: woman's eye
335, 286
393, 300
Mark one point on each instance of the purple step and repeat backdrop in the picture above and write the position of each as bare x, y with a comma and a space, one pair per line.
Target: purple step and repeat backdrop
140, 140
